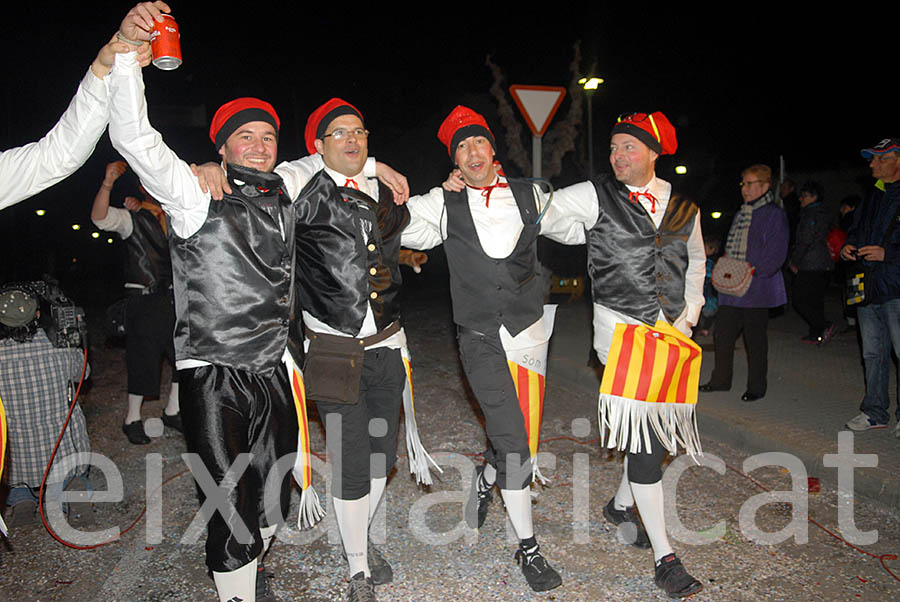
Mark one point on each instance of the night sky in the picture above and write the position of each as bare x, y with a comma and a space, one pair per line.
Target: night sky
741, 87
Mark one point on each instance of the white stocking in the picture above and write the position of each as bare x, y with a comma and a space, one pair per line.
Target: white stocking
134, 408
518, 506
376, 491
353, 522
239, 584
172, 406
649, 500
624, 498
267, 533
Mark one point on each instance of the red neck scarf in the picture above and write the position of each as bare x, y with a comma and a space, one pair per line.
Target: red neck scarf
487, 190
635, 197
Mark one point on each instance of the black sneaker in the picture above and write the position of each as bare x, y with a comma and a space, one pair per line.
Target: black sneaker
361, 589
478, 502
671, 577
173, 422
379, 568
264, 591
135, 432
630, 526
538, 573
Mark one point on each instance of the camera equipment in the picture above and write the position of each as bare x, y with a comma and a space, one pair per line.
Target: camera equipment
61, 319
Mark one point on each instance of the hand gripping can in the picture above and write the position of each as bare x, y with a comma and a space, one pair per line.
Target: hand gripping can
166, 44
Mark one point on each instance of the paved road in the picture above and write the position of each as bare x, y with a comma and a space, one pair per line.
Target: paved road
435, 558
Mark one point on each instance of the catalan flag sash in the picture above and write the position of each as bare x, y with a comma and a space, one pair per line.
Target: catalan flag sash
3, 528
419, 459
526, 354
311, 510
650, 382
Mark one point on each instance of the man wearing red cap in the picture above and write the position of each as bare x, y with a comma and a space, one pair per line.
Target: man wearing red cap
347, 284
232, 272
489, 231
647, 264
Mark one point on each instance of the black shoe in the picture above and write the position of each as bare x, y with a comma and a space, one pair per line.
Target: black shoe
173, 422
22, 514
538, 573
135, 432
625, 518
361, 589
748, 396
379, 568
709, 388
478, 502
671, 577
264, 591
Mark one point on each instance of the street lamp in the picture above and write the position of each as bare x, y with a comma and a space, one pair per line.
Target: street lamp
590, 84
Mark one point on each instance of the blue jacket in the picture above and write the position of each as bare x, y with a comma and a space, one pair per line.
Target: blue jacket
873, 218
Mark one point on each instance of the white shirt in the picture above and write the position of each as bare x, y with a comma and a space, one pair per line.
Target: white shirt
579, 203
498, 225
29, 169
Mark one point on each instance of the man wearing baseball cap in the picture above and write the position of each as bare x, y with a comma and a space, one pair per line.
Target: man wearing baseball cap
235, 350
348, 283
874, 241
647, 265
489, 227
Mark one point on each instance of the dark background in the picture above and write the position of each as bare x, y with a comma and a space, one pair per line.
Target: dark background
741, 85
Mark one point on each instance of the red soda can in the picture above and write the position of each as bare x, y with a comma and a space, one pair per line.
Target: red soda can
165, 41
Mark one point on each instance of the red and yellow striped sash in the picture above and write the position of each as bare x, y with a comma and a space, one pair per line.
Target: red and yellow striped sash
299, 393
656, 364
530, 391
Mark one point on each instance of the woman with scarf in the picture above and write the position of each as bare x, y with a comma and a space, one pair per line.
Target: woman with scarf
759, 235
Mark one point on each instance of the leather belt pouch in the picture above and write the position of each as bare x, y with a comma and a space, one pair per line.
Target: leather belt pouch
334, 365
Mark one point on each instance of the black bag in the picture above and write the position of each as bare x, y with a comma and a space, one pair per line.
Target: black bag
333, 368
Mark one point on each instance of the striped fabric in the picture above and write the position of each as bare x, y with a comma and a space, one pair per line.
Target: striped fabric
311, 510
650, 382
530, 391
657, 364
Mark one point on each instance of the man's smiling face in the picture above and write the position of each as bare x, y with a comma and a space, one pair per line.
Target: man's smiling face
475, 158
254, 144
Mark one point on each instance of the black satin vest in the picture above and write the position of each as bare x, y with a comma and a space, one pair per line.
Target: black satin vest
636, 269
488, 292
233, 278
347, 254
147, 259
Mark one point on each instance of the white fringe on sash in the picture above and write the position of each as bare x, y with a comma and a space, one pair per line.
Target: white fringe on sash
3, 528
419, 459
624, 420
311, 510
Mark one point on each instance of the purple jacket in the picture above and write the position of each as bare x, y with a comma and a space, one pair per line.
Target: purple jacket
767, 247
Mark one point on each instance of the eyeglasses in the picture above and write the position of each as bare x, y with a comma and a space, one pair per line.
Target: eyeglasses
341, 133
750, 182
